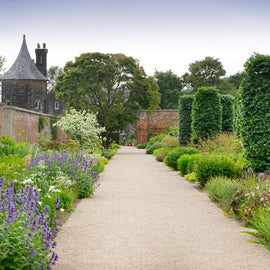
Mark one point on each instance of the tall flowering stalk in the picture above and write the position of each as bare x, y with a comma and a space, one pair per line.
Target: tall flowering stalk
26, 239
81, 170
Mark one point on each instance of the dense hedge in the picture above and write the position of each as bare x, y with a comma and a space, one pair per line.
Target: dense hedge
207, 166
184, 109
227, 113
237, 129
206, 113
255, 108
171, 159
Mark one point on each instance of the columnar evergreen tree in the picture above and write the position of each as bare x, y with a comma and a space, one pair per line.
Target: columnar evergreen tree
206, 113
255, 108
184, 109
227, 113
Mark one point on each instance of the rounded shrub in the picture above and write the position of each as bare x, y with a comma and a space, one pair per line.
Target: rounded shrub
184, 109
141, 145
153, 147
182, 163
210, 165
206, 113
173, 156
255, 110
227, 102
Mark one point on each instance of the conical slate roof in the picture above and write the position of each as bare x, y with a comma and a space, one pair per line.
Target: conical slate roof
23, 68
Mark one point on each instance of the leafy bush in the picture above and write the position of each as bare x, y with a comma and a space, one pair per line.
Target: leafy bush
254, 99
172, 157
170, 141
191, 177
191, 161
184, 109
108, 153
11, 167
206, 113
141, 145
227, 102
211, 165
161, 153
114, 145
156, 145
221, 190
9, 146
182, 163
157, 138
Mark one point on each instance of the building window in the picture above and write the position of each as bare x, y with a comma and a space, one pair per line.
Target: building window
8, 102
56, 105
37, 105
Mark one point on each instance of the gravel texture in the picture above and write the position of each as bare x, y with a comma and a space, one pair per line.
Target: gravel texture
146, 216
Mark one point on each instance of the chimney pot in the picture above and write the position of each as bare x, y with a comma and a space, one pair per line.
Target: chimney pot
38, 46
44, 45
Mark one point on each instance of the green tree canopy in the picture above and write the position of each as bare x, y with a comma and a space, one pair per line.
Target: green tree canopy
52, 74
207, 73
170, 86
112, 85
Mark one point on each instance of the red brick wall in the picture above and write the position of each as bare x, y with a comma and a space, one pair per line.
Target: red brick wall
155, 123
22, 125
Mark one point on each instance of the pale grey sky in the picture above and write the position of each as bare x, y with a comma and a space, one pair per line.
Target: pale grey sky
161, 34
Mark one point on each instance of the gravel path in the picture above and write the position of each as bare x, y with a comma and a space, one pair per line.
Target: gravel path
145, 216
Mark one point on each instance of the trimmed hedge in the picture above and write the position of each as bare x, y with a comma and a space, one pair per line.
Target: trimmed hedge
172, 157
141, 145
185, 163
184, 109
227, 113
255, 109
210, 165
206, 113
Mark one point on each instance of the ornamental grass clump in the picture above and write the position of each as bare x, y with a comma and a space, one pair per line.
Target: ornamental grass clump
26, 239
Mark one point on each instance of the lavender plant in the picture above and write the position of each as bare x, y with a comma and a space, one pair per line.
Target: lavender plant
26, 239
80, 171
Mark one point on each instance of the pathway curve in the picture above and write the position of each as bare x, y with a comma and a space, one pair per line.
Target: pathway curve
144, 216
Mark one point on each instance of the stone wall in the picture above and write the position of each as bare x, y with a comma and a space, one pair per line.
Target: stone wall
23, 125
154, 123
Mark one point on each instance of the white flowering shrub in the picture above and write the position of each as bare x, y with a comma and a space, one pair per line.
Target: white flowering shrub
82, 127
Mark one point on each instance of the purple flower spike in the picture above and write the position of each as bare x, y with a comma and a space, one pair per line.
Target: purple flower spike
2, 179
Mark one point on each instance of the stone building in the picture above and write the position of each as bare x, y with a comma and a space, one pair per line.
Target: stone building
24, 85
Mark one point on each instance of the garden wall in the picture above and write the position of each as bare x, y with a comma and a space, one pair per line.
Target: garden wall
155, 123
23, 125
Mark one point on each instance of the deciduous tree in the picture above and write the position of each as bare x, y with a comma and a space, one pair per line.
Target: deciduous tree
112, 85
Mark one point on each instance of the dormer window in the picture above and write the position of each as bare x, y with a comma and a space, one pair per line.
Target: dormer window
56, 105
37, 105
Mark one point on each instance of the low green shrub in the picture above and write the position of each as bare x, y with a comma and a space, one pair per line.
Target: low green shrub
153, 147
108, 153
211, 165
172, 157
191, 161
221, 190
141, 145
161, 153
182, 163
157, 138
191, 177
114, 145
